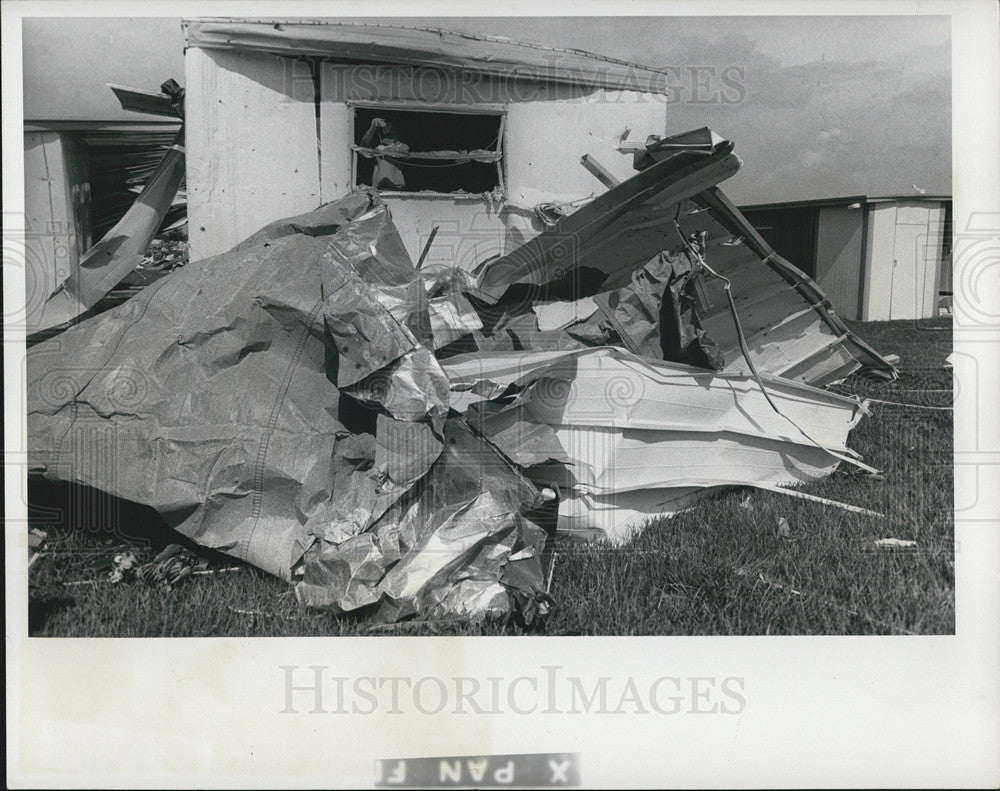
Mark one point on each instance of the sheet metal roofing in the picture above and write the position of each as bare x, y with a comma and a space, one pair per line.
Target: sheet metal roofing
422, 46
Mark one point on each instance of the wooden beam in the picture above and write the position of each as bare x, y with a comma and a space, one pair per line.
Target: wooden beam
599, 171
427, 246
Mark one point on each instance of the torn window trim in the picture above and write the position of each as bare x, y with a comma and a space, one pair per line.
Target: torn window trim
475, 155
498, 110
430, 194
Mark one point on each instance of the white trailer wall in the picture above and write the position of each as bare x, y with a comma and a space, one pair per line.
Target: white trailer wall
548, 128
258, 150
252, 153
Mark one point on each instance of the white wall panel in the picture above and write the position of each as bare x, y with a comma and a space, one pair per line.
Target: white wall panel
546, 139
251, 139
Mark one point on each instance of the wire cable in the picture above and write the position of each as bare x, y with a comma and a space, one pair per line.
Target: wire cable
727, 285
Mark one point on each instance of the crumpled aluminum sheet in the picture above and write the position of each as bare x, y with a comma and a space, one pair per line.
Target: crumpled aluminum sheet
232, 396
385, 438
660, 294
448, 545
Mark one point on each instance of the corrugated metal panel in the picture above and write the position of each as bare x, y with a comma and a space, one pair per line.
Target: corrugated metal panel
862, 355
119, 251
773, 306
120, 164
577, 241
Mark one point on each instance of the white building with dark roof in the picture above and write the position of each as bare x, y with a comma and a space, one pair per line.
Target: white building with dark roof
876, 258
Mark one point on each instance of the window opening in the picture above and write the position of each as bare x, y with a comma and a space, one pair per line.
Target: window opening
411, 150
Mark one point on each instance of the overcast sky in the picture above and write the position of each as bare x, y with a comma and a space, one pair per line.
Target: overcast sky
825, 106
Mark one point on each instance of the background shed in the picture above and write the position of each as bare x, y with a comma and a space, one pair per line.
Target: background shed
876, 258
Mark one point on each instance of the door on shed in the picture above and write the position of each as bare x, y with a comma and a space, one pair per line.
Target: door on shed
880, 255
914, 262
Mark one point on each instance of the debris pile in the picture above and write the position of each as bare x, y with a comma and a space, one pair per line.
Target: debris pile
166, 253
168, 568
402, 439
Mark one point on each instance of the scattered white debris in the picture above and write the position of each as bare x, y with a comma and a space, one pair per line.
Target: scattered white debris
895, 543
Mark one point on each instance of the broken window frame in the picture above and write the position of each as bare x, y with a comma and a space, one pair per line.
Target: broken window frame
497, 110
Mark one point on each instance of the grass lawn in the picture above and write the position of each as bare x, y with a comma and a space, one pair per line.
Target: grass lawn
718, 569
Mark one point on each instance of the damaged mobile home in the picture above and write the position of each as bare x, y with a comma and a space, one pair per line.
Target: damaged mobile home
405, 437
277, 114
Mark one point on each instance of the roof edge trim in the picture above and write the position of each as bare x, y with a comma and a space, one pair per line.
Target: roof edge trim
424, 46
